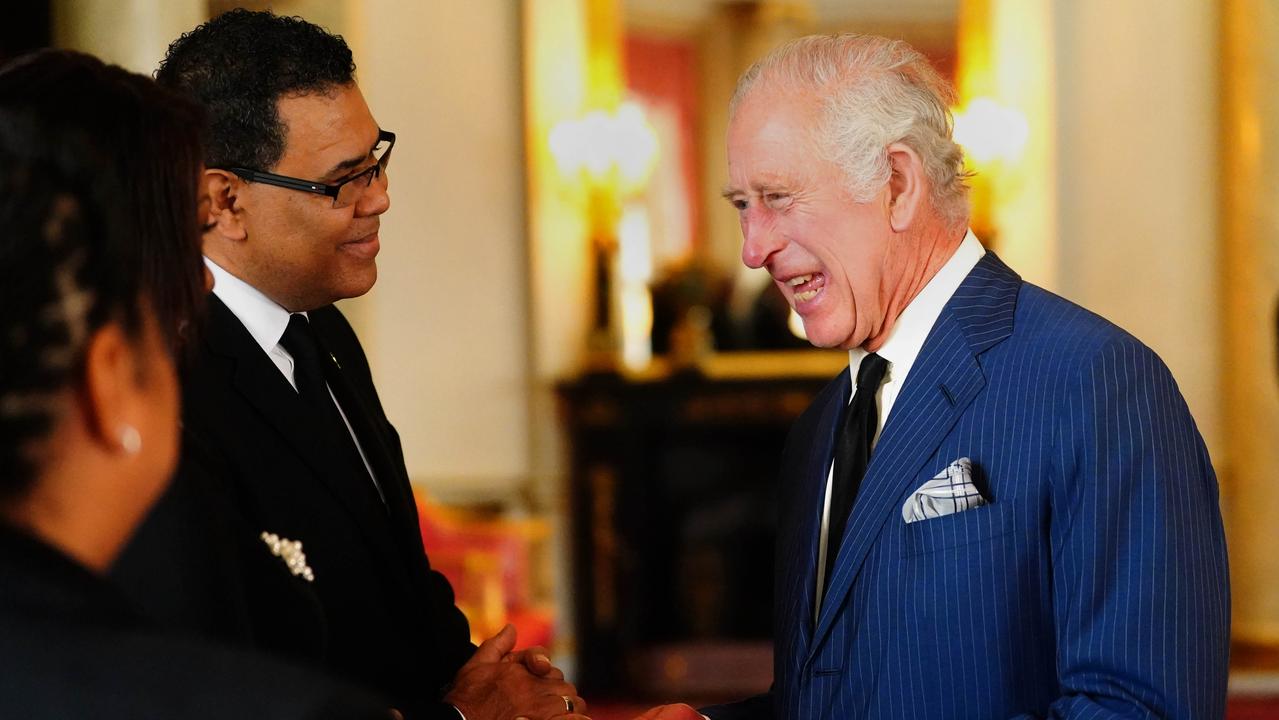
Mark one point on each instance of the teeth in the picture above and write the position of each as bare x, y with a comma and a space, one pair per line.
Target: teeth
797, 281
806, 295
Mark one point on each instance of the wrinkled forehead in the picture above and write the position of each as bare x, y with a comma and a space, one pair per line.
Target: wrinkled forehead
774, 117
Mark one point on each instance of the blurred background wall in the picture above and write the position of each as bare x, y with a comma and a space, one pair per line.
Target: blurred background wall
1127, 159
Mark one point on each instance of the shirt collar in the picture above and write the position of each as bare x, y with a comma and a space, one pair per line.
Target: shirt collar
911, 328
265, 319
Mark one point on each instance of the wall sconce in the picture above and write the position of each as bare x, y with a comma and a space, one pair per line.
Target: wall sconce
993, 137
607, 158
990, 132
613, 151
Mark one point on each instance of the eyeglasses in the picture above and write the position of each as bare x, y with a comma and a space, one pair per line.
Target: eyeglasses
344, 193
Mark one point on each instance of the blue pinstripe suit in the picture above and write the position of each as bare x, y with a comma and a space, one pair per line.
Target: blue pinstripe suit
1094, 584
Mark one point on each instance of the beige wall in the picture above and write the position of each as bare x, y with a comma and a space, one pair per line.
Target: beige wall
445, 326
1136, 117
131, 33
1114, 204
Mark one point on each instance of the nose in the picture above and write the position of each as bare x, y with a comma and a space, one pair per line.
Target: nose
760, 241
376, 198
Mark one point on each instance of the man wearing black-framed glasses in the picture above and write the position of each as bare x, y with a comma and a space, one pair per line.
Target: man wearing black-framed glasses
305, 232
291, 524
344, 192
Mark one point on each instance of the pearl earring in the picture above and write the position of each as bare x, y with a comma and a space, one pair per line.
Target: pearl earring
130, 440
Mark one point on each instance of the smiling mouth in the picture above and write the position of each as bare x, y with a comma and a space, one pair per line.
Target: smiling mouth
806, 287
362, 244
365, 248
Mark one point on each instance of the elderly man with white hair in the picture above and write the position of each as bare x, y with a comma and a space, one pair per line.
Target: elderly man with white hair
1003, 508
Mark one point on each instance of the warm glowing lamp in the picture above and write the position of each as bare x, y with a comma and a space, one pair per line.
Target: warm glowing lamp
611, 152
990, 132
609, 156
992, 129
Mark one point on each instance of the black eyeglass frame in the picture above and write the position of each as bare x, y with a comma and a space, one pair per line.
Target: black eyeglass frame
320, 188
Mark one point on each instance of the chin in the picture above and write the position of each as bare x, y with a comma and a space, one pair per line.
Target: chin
821, 338
822, 333
356, 286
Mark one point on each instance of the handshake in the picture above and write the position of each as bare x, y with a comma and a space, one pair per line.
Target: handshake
500, 684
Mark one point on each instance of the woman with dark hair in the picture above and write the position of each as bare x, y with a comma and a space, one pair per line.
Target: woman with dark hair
100, 281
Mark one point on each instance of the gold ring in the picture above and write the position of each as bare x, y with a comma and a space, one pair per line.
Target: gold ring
568, 703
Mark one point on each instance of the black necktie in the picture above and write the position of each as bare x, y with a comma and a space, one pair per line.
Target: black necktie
310, 361
852, 453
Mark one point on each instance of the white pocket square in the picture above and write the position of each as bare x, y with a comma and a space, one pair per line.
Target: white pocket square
950, 492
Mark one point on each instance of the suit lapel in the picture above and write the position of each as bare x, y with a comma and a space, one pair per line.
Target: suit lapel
390, 475
255, 378
259, 382
809, 470
943, 382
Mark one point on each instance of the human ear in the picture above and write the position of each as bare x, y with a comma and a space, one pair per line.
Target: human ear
907, 185
112, 376
225, 214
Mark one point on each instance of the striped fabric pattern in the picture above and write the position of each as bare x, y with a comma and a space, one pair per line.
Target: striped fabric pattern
1092, 585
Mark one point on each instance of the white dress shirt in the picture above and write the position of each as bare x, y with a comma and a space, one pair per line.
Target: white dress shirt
900, 350
266, 321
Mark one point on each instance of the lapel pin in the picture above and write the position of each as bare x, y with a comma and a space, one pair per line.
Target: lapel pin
290, 551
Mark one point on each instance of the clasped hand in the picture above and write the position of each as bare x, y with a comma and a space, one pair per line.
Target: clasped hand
500, 684
661, 712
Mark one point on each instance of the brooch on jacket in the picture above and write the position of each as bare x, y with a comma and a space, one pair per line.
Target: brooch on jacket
290, 551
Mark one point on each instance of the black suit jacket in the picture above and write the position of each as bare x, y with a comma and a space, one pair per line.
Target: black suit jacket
70, 648
254, 460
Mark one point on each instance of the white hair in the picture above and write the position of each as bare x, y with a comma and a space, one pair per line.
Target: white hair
873, 92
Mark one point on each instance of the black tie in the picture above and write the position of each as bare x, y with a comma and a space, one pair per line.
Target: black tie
852, 453
309, 363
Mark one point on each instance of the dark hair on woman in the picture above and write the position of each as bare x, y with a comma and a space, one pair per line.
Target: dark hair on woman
238, 65
99, 169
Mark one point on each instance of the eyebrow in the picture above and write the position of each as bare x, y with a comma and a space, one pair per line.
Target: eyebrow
760, 188
351, 163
